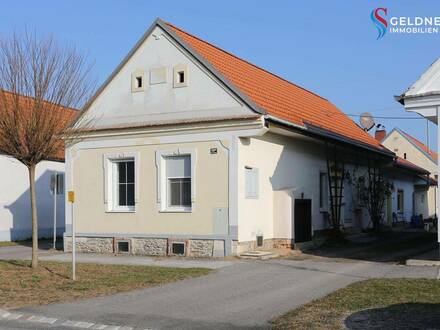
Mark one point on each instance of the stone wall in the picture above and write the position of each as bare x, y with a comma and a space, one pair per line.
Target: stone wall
149, 246
271, 243
200, 248
90, 244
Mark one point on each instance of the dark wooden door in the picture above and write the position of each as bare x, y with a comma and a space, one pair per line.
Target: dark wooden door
303, 220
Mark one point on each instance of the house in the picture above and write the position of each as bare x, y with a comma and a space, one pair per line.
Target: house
423, 97
15, 206
409, 148
197, 152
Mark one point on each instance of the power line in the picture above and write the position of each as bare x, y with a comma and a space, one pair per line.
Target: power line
388, 117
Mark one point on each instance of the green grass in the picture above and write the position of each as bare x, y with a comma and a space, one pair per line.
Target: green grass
21, 285
371, 304
7, 243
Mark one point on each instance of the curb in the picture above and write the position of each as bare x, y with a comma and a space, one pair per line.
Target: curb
23, 317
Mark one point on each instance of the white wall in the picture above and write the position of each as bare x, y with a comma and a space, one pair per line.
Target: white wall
284, 163
407, 185
203, 97
15, 215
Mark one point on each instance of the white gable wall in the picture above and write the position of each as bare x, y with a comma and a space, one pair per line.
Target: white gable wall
202, 98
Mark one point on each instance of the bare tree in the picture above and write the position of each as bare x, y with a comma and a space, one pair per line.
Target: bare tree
41, 83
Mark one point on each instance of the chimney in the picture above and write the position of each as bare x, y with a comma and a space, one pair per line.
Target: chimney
380, 134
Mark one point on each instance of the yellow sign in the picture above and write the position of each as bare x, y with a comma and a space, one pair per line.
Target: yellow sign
71, 196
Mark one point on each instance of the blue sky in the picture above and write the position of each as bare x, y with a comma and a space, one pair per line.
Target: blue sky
329, 47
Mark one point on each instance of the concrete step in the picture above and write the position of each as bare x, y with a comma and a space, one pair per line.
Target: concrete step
260, 255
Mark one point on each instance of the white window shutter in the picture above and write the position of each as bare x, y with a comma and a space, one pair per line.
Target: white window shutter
251, 182
256, 183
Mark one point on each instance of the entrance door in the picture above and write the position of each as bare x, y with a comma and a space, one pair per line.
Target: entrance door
303, 220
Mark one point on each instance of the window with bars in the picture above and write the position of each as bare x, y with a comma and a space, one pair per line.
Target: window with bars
124, 184
178, 181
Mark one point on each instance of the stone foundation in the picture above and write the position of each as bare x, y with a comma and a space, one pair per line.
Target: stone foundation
90, 244
149, 246
198, 248
271, 243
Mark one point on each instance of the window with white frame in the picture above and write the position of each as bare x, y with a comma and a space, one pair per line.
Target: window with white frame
121, 172
123, 184
323, 191
251, 182
178, 181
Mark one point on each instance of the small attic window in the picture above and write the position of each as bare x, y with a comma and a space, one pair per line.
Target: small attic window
404, 155
180, 75
137, 81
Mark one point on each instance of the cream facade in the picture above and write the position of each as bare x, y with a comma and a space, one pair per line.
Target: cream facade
425, 201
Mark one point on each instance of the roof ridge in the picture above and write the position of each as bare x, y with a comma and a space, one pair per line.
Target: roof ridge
415, 139
246, 61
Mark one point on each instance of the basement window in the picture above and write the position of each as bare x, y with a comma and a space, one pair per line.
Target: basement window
123, 247
178, 248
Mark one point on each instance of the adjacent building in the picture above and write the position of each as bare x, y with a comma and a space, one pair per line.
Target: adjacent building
15, 206
411, 149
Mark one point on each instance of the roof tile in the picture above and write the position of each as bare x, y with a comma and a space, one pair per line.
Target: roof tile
277, 96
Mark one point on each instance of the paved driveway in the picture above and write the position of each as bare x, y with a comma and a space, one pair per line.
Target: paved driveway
245, 294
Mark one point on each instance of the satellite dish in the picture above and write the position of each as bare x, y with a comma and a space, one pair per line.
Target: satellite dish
366, 121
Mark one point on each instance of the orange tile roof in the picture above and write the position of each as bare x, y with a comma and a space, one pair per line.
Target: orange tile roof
421, 145
277, 96
66, 116
407, 164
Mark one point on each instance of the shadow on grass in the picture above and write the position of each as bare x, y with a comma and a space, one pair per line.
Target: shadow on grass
399, 316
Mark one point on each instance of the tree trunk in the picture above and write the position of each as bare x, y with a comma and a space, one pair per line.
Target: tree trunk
31, 169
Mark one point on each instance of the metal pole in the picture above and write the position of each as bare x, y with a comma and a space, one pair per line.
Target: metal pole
438, 185
73, 247
55, 192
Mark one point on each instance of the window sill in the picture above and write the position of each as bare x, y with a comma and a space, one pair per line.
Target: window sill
177, 210
122, 210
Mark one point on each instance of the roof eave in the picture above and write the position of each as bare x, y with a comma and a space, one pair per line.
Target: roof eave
313, 131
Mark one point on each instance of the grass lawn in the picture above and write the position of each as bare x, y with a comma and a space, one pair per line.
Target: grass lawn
371, 304
7, 243
21, 286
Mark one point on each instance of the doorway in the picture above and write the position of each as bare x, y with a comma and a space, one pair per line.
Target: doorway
303, 220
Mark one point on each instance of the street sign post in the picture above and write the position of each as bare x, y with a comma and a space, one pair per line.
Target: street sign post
71, 199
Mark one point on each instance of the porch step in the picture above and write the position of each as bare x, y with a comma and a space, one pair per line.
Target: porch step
260, 255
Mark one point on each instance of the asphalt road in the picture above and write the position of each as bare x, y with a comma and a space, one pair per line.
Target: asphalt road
242, 295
